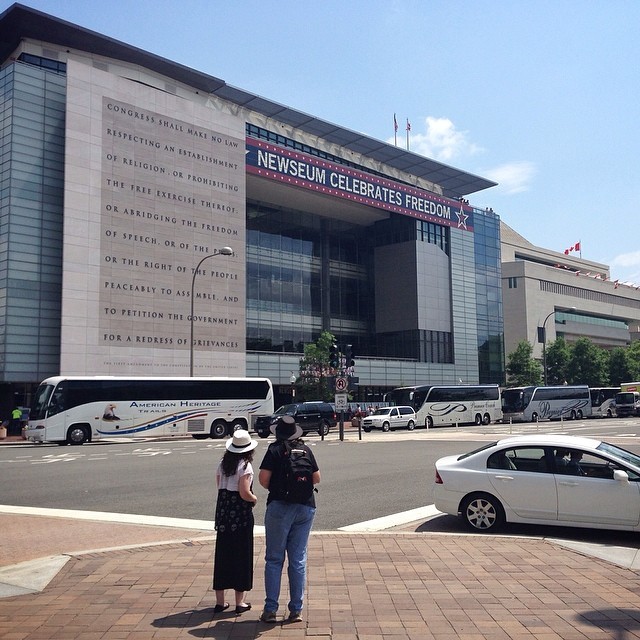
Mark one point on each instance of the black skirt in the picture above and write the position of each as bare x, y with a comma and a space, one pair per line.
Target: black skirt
233, 558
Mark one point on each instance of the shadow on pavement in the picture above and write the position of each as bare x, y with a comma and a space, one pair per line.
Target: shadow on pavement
451, 524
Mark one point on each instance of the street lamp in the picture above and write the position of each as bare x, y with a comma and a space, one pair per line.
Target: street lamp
292, 380
544, 342
224, 251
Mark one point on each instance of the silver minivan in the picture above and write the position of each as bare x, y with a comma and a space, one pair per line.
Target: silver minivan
387, 418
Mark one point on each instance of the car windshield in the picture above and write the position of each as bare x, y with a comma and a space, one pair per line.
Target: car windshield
471, 453
286, 410
621, 454
382, 412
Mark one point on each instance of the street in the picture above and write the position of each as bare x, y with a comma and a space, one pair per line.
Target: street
380, 475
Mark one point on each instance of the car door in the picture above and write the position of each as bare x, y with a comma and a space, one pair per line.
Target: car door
527, 487
310, 414
595, 496
395, 418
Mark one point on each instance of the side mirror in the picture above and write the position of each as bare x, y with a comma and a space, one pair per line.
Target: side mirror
620, 475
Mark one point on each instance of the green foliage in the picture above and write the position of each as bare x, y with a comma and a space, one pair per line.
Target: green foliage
522, 369
558, 355
589, 364
313, 382
581, 362
618, 368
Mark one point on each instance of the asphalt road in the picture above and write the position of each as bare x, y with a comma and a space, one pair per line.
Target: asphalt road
380, 475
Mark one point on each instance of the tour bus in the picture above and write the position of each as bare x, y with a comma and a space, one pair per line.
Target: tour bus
530, 404
437, 405
75, 410
603, 401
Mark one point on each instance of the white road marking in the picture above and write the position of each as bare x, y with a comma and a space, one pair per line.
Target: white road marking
393, 520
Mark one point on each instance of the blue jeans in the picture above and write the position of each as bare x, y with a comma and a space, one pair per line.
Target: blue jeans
287, 528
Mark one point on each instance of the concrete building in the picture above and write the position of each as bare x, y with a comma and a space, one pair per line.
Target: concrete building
563, 294
122, 172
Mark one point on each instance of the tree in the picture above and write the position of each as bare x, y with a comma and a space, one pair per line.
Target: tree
315, 370
589, 364
522, 369
618, 368
633, 361
558, 355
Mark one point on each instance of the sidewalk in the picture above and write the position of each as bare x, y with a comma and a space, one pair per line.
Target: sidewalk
155, 583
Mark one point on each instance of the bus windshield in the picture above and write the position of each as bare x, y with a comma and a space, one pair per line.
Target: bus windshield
40, 402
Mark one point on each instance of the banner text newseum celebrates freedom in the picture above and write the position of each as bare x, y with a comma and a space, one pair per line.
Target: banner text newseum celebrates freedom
305, 171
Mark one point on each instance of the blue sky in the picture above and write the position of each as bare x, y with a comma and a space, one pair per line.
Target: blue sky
541, 96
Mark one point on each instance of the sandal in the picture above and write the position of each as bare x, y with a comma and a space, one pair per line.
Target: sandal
219, 608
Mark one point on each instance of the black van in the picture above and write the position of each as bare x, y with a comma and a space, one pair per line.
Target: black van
311, 416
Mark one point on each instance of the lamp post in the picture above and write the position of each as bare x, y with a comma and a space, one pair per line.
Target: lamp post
544, 341
544, 347
224, 251
292, 380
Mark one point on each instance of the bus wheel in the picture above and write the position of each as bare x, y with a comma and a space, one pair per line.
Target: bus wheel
199, 436
429, 422
77, 434
478, 419
534, 417
579, 415
486, 419
238, 424
573, 415
219, 429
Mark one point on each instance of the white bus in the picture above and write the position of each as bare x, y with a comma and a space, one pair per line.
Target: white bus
75, 410
437, 405
530, 404
603, 401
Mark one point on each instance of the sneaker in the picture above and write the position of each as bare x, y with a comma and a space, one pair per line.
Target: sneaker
268, 616
295, 616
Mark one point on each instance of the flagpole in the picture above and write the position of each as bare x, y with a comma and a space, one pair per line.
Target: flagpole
395, 130
408, 129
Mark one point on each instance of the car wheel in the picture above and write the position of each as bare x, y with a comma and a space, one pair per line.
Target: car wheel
219, 429
411, 425
324, 429
478, 419
386, 426
264, 434
429, 422
482, 512
77, 435
486, 419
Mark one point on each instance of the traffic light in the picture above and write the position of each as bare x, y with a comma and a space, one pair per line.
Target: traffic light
350, 362
334, 356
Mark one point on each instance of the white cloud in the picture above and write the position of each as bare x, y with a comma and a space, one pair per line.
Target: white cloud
442, 141
631, 259
512, 177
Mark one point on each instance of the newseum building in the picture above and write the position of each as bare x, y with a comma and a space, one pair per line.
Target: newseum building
121, 171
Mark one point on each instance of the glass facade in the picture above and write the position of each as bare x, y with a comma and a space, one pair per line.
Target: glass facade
305, 272
32, 115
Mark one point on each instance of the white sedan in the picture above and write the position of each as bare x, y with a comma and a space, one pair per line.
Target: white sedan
544, 479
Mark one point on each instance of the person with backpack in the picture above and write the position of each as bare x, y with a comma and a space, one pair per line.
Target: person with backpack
289, 472
233, 556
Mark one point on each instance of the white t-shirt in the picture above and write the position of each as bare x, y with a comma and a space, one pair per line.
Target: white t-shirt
231, 482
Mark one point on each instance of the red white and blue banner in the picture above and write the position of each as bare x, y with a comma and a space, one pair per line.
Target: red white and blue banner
308, 172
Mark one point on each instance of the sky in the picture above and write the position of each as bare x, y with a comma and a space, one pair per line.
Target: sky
540, 96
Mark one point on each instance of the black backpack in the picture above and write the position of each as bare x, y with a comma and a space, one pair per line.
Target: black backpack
297, 477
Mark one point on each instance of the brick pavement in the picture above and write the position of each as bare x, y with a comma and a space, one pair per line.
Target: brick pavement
382, 586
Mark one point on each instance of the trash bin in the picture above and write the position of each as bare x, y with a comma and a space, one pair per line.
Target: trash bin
3, 432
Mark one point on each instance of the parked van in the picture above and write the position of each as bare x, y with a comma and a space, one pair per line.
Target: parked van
627, 404
390, 418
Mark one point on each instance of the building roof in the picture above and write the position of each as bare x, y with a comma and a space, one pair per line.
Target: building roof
19, 22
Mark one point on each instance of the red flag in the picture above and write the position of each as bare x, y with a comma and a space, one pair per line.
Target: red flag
577, 247
408, 125
395, 123
566, 252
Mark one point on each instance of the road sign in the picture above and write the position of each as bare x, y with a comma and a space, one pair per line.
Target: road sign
341, 401
341, 384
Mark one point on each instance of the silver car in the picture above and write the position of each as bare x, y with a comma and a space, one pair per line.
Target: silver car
388, 418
